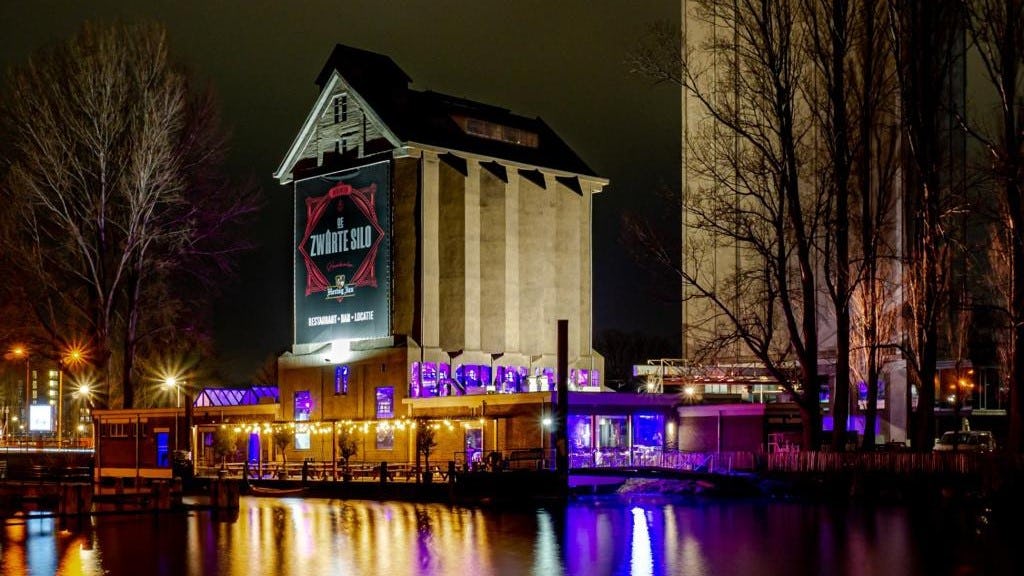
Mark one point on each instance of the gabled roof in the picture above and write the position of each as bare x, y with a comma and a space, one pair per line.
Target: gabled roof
365, 71
433, 119
237, 396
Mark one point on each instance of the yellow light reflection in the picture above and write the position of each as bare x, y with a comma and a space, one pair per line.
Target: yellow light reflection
13, 552
285, 536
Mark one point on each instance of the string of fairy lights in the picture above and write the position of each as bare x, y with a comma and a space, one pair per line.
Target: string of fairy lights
352, 426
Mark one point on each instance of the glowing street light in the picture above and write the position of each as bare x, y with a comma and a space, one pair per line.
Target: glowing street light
172, 382
72, 357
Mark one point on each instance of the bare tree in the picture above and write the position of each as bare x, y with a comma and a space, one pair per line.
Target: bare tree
118, 209
999, 331
753, 194
925, 39
997, 31
830, 27
876, 326
426, 442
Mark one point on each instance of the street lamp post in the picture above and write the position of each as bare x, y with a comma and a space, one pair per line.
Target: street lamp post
85, 399
172, 382
28, 390
72, 357
21, 353
60, 403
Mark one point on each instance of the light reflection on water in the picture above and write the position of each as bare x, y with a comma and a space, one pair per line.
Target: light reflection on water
594, 537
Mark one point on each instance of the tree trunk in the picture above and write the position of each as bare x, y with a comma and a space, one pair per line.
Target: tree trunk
1015, 439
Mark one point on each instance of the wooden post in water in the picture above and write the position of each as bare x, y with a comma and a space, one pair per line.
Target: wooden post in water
161, 496
75, 499
224, 493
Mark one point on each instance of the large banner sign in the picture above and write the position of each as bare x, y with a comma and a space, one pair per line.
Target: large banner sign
342, 255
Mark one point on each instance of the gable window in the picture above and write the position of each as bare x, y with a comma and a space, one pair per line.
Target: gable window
340, 108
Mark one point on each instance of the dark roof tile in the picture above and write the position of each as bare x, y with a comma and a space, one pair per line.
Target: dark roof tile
429, 118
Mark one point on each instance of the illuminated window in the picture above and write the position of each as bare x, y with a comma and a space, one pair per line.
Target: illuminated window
473, 377
162, 455
385, 436
303, 405
341, 379
510, 379
647, 430
414, 380
428, 380
611, 431
579, 435
303, 409
385, 402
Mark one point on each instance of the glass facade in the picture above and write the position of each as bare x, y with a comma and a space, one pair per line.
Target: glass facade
648, 439
616, 440
474, 441
431, 379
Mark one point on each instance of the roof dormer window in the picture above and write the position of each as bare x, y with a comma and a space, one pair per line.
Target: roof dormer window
494, 131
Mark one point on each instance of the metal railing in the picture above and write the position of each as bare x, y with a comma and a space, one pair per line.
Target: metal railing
711, 462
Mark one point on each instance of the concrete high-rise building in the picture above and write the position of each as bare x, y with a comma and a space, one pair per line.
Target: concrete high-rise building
718, 176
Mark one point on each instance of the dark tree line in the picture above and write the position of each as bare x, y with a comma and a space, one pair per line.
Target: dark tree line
623, 350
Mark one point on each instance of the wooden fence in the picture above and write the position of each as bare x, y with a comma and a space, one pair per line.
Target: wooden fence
890, 462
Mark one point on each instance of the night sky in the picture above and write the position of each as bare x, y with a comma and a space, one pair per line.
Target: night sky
562, 61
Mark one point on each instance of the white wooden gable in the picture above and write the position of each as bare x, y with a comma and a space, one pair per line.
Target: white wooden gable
340, 122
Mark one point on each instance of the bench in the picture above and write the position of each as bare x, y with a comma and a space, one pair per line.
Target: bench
529, 458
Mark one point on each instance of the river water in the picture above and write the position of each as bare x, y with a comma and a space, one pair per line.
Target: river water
593, 536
